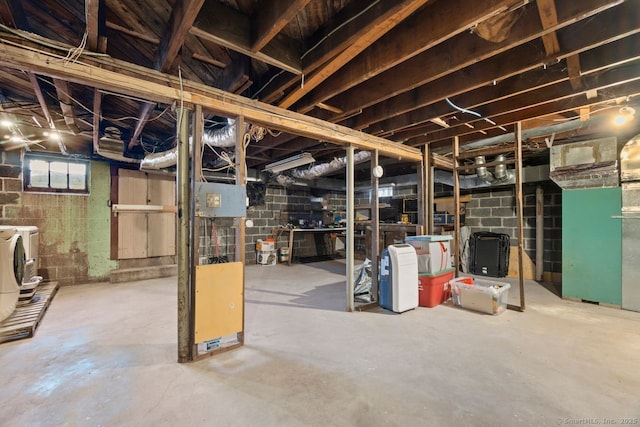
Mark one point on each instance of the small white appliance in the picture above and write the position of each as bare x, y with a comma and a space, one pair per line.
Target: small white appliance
11, 269
30, 241
404, 277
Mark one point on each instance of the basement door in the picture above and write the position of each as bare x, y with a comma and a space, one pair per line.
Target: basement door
142, 234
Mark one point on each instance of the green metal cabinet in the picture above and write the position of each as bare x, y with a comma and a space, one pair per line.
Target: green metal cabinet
592, 245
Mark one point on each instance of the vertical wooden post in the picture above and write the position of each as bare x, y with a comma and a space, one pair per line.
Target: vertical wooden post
375, 228
185, 308
350, 225
241, 180
422, 192
456, 203
197, 127
520, 208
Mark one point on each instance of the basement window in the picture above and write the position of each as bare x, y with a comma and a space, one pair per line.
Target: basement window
45, 174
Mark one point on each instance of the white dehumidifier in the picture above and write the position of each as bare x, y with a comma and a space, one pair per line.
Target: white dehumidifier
399, 278
11, 269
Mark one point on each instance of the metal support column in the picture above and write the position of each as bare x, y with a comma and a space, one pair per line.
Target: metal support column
520, 209
375, 228
185, 307
350, 225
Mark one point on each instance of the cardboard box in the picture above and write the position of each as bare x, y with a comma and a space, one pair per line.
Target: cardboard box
265, 245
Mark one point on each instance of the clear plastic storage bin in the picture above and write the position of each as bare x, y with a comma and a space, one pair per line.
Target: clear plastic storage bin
487, 296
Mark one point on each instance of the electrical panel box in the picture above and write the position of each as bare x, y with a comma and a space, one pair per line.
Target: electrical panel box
220, 200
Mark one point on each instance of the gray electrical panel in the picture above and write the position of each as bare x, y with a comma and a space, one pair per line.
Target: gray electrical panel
220, 200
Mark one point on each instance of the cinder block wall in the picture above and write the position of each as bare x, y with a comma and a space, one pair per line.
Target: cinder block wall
495, 210
266, 218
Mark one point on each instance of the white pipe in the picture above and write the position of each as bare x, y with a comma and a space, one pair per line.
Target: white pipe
350, 225
539, 233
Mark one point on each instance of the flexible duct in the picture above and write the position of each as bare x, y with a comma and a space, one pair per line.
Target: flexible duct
326, 168
482, 172
223, 137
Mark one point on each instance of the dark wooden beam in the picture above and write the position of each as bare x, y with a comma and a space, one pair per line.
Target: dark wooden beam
456, 54
142, 36
366, 28
92, 9
63, 92
580, 37
434, 24
229, 28
97, 113
629, 88
272, 16
182, 17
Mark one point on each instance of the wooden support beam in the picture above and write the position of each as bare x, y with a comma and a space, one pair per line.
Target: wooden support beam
143, 115
145, 37
549, 18
466, 55
229, 28
92, 11
35, 84
66, 104
456, 203
520, 210
429, 27
590, 34
97, 114
183, 15
272, 16
209, 60
385, 15
573, 68
604, 57
159, 87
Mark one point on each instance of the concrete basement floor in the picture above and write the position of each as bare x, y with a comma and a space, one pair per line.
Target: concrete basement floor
105, 355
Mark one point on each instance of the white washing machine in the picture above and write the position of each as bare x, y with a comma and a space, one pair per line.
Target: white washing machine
30, 241
11, 269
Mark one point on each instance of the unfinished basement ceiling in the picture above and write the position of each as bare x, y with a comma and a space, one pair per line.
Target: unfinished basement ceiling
414, 72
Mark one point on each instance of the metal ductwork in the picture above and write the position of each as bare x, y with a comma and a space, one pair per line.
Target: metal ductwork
326, 168
223, 137
500, 175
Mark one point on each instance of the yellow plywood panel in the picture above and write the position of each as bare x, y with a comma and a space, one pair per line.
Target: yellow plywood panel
132, 187
219, 300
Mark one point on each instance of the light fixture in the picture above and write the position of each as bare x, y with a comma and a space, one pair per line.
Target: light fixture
625, 114
290, 163
6, 123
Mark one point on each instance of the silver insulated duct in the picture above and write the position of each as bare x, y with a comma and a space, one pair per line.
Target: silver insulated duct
326, 168
223, 137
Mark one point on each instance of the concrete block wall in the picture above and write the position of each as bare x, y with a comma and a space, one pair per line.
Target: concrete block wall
494, 210
266, 218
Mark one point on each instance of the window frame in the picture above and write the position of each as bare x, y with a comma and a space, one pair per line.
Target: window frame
51, 188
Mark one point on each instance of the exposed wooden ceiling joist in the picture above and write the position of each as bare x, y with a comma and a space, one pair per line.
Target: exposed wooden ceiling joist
434, 24
234, 32
271, 18
63, 92
211, 99
587, 34
386, 15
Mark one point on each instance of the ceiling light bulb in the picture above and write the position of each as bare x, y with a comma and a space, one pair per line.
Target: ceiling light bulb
625, 115
55, 136
5, 123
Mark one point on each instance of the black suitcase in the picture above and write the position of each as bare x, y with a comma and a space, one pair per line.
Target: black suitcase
489, 253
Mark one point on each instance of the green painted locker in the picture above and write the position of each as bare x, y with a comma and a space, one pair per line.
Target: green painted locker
592, 245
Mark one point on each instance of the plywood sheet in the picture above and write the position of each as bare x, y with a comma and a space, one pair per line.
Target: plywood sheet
132, 226
528, 266
161, 226
219, 300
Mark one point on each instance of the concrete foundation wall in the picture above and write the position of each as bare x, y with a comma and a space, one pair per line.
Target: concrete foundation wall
74, 229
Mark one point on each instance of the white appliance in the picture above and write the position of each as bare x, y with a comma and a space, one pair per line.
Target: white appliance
11, 269
30, 241
404, 277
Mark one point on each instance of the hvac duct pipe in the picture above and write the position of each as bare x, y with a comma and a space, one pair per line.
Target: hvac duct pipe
185, 348
539, 233
223, 137
538, 132
325, 168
